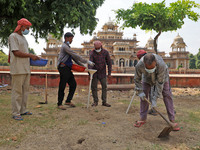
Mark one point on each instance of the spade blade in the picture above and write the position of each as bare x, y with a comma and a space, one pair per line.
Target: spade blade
165, 132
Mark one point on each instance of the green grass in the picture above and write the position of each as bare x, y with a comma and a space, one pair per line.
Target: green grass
154, 147
82, 122
80, 105
31, 124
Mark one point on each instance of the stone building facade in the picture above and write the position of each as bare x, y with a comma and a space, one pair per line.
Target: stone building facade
122, 50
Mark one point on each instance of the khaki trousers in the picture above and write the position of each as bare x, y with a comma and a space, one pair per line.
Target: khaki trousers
20, 87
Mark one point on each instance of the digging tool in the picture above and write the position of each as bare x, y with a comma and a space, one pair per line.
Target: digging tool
45, 91
91, 71
130, 102
165, 132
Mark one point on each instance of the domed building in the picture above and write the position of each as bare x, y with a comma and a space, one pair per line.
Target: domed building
51, 51
179, 57
122, 50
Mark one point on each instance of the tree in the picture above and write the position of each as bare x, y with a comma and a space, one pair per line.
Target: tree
48, 16
31, 51
157, 16
198, 60
3, 59
192, 62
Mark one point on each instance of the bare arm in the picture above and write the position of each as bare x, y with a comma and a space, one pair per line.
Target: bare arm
18, 53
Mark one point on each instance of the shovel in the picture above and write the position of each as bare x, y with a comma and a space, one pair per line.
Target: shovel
91, 71
45, 91
165, 132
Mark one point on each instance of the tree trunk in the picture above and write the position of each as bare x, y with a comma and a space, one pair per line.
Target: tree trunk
155, 42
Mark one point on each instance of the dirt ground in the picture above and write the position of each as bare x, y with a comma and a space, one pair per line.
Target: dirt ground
102, 128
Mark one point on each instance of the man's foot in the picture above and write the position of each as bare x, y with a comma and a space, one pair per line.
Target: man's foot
175, 126
94, 104
19, 118
152, 112
61, 107
139, 123
106, 104
70, 104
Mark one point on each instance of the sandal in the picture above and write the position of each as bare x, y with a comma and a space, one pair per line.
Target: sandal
70, 104
61, 107
139, 123
27, 113
176, 128
19, 118
94, 104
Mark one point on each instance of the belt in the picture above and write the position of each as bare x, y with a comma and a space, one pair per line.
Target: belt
62, 65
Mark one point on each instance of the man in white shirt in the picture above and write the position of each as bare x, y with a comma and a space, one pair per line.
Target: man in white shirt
19, 59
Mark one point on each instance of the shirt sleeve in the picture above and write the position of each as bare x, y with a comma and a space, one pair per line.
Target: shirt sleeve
109, 63
75, 56
138, 78
13, 43
91, 59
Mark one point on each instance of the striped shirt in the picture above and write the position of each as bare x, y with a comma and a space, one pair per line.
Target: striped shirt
66, 52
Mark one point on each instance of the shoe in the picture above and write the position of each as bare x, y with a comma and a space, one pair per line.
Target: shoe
94, 104
70, 104
27, 113
152, 112
106, 104
61, 107
19, 118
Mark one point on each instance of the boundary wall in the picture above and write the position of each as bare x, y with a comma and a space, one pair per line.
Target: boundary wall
38, 79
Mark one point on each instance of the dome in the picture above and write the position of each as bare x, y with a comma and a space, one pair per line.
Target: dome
178, 40
150, 43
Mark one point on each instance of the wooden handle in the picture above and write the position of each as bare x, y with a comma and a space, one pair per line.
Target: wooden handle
169, 123
46, 88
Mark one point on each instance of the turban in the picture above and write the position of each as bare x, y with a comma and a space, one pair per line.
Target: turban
97, 44
22, 22
141, 53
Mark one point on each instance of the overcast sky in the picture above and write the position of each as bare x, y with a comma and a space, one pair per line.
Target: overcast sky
190, 31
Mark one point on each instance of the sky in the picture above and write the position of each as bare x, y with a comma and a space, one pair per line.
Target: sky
190, 31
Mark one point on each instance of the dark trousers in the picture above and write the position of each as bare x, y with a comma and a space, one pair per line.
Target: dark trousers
66, 76
104, 89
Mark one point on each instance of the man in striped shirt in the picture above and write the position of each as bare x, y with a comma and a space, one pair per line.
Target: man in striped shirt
101, 58
64, 67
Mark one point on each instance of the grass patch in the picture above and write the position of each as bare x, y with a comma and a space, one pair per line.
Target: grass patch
80, 104
155, 147
123, 101
82, 122
42, 118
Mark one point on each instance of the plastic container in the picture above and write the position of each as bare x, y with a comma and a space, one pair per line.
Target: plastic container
41, 62
78, 68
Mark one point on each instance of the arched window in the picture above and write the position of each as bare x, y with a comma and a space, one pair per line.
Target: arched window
121, 62
51, 62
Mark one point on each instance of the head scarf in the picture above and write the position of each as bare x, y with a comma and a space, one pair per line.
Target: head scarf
141, 53
97, 44
22, 22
